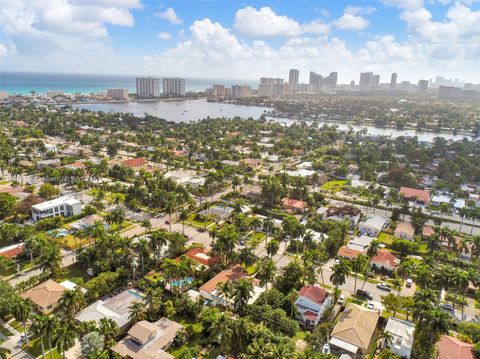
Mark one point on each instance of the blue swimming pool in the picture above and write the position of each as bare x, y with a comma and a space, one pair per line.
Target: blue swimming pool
135, 294
182, 282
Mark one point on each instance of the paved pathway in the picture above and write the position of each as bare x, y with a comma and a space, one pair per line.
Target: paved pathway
12, 343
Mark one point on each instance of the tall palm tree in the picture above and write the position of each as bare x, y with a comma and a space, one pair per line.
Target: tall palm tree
158, 240
64, 338
291, 298
268, 226
51, 324
242, 292
438, 323
266, 271
21, 311
358, 265
138, 312
340, 272
72, 301
39, 327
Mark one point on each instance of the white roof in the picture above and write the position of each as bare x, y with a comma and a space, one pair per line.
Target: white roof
401, 328
300, 173
56, 202
459, 203
343, 345
440, 199
376, 222
362, 241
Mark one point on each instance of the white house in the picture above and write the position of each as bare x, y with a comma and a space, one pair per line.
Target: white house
311, 303
372, 225
360, 243
402, 333
62, 206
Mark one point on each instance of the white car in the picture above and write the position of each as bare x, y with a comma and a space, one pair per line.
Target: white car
370, 306
341, 299
326, 348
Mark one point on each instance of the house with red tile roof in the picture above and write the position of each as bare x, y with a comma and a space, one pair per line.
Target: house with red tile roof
348, 253
135, 163
385, 261
417, 195
453, 348
294, 205
311, 303
200, 256
427, 232
12, 251
349, 213
210, 290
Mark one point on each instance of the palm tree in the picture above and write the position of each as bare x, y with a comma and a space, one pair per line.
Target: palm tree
358, 265
183, 217
4, 353
291, 298
138, 312
268, 226
242, 292
147, 225
437, 322
64, 338
158, 240
144, 249
109, 328
51, 324
72, 301
340, 272
266, 271
21, 311
39, 327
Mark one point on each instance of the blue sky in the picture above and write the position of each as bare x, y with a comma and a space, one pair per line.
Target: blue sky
243, 39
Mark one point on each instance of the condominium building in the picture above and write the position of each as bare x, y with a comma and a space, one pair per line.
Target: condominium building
148, 87
393, 81
174, 86
63, 206
118, 94
241, 91
218, 90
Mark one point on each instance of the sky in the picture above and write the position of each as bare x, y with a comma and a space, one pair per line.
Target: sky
229, 39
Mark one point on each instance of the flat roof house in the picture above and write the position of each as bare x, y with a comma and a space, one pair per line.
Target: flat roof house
62, 206
146, 340
113, 306
372, 225
354, 330
311, 303
45, 296
402, 333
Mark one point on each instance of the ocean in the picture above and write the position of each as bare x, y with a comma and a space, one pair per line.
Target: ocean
26, 82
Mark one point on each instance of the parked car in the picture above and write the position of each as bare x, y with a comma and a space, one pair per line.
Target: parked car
409, 282
23, 337
447, 307
384, 286
370, 306
326, 348
341, 299
364, 294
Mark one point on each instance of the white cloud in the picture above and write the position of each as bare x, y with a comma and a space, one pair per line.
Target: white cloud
62, 32
350, 21
170, 15
3, 50
265, 23
164, 35
404, 4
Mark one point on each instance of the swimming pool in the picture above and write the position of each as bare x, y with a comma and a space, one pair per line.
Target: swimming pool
182, 282
135, 294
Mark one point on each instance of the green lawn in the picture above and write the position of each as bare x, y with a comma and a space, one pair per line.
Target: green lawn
72, 242
334, 186
75, 274
385, 238
195, 222
17, 325
153, 277
5, 332
35, 349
